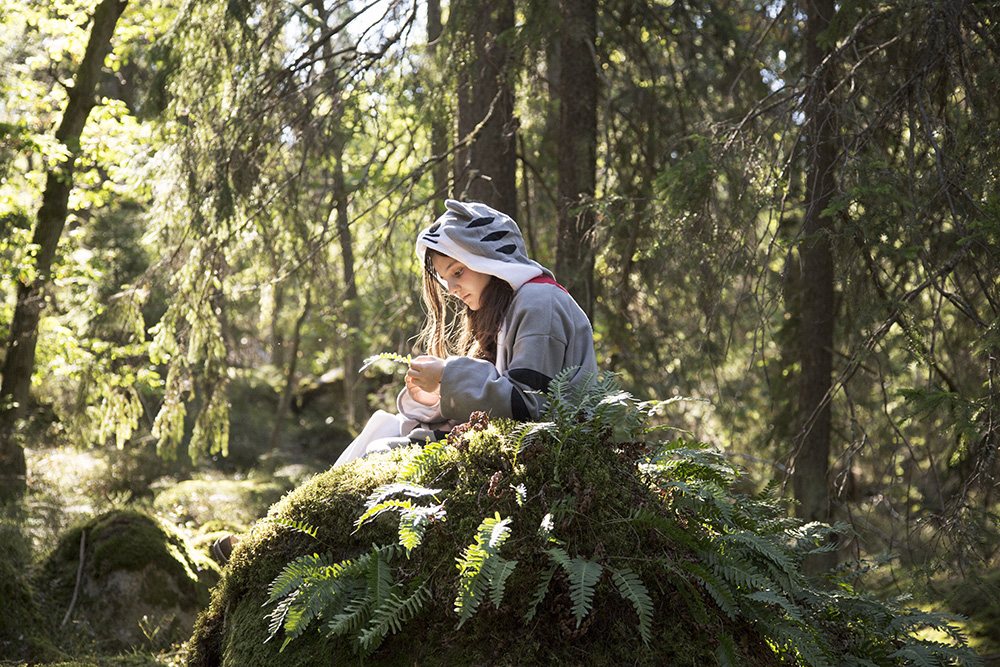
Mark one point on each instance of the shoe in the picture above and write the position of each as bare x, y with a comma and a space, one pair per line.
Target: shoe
223, 548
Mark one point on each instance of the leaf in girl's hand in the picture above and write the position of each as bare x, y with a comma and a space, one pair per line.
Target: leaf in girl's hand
385, 356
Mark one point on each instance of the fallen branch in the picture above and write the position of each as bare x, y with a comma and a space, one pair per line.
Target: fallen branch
79, 576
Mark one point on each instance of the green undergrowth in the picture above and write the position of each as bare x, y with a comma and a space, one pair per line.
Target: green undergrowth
95, 617
580, 539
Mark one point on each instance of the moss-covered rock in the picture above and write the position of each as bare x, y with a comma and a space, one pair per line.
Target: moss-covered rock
560, 546
140, 584
591, 500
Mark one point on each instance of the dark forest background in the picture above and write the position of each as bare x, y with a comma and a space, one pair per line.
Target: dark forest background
785, 212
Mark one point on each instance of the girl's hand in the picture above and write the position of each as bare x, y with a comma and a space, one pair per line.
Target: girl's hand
425, 374
428, 398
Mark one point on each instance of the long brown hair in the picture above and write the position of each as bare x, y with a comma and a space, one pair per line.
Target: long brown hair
457, 329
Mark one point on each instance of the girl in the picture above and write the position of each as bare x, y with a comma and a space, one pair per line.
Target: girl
517, 330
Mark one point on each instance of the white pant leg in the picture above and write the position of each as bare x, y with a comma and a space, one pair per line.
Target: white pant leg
380, 425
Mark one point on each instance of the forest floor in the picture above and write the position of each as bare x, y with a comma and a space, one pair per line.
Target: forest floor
69, 486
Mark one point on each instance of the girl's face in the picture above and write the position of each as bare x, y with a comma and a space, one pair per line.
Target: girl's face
462, 281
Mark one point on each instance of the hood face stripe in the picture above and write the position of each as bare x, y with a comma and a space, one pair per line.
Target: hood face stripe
495, 236
479, 222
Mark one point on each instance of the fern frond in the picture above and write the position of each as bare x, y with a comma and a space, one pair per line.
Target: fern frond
934, 654
800, 641
559, 556
413, 525
632, 589
526, 433
277, 617
476, 571
353, 616
392, 357
520, 494
738, 573
706, 498
583, 578
716, 587
389, 490
298, 526
389, 617
763, 547
770, 597
541, 590
311, 599
420, 465
499, 573
295, 573
725, 652
379, 577
391, 505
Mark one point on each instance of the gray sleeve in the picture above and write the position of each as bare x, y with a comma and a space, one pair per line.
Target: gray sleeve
535, 349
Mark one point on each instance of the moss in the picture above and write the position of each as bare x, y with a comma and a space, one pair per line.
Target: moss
591, 491
692, 543
135, 567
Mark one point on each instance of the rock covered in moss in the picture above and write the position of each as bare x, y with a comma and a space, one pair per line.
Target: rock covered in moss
567, 542
587, 493
140, 585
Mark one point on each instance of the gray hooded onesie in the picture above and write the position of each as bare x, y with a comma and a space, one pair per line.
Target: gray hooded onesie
544, 331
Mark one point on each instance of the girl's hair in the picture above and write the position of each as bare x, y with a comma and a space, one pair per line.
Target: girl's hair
476, 330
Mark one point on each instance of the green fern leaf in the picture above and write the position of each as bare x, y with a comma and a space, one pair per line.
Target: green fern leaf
389, 490
541, 590
277, 617
353, 616
299, 526
392, 357
520, 494
293, 574
374, 511
528, 432
389, 617
413, 524
716, 587
772, 598
725, 653
379, 577
420, 465
475, 576
583, 578
632, 589
499, 573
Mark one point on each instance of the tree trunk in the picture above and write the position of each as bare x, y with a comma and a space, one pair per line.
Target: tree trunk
578, 92
485, 167
439, 128
19, 361
812, 457
354, 395
291, 372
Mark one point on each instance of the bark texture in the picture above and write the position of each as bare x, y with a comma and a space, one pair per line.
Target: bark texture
578, 94
19, 361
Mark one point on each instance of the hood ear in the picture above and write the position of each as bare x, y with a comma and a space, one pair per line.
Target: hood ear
459, 208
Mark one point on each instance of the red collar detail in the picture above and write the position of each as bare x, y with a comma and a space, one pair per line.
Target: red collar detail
547, 281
